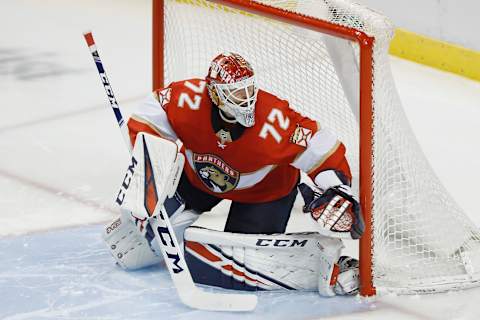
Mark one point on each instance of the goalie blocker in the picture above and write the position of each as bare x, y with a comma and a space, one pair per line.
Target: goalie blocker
250, 262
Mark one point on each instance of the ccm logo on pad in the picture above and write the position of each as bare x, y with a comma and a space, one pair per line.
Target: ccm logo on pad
280, 243
126, 182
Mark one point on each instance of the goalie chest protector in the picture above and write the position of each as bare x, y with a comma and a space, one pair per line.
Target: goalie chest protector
253, 168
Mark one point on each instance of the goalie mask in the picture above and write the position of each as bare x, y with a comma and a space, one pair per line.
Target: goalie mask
232, 87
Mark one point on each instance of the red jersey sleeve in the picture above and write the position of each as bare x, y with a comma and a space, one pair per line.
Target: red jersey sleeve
313, 149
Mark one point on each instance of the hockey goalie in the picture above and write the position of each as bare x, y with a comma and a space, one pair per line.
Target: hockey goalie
240, 143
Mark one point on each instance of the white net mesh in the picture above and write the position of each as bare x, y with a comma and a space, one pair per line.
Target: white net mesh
422, 241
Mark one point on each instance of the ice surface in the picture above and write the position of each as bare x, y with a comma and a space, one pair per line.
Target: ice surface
62, 160
70, 275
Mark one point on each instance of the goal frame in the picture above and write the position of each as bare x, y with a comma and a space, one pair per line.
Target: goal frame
365, 44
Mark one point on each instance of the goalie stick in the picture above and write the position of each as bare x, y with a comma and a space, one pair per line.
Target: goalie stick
189, 294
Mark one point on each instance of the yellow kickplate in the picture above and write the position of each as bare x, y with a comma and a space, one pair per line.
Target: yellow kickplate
435, 53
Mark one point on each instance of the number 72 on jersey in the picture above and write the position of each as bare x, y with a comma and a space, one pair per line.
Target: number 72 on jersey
268, 127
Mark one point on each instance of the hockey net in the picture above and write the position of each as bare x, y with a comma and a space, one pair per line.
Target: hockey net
329, 59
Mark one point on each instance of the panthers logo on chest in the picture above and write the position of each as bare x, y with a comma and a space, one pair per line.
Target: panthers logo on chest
215, 174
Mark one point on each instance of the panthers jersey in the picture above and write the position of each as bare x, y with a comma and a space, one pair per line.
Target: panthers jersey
255, 164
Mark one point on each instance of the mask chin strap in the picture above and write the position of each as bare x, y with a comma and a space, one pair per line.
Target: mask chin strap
225, 118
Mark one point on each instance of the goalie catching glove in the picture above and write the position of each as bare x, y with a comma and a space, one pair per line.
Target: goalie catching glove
336, 211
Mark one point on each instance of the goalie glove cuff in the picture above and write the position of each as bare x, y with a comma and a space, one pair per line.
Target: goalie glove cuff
330, 178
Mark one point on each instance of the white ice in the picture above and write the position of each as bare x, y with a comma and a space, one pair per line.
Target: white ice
63, 160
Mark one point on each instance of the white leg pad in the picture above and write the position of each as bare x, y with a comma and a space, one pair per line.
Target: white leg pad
331, 252
300, 261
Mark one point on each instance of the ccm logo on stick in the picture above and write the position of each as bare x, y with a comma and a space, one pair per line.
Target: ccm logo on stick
280, 243
174, 257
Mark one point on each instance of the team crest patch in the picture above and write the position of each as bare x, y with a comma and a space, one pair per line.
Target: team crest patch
301, 136
217, 176
164, 96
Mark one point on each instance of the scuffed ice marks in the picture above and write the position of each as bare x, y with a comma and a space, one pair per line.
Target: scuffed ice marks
70, 275
25, 65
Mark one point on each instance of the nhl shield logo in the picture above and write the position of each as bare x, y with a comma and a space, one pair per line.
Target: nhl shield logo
217, 176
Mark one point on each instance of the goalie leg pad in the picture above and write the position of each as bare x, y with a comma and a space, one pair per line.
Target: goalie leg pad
328, 269
303, 261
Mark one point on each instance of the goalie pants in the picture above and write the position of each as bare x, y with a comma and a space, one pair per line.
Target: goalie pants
264, 218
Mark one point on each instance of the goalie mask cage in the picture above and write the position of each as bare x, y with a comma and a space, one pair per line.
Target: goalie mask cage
329, 59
